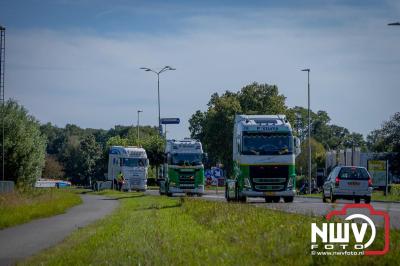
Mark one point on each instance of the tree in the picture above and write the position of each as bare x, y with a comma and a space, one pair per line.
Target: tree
53, 168
196, 125
261, 99
387, 139
317, 157
90, 154
24, 145
329, 135
155, 147
214, 128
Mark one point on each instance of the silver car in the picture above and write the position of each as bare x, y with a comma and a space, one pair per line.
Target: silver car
348, 182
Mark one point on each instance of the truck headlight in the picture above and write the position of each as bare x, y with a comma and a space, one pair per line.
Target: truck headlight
247, 183
290, 183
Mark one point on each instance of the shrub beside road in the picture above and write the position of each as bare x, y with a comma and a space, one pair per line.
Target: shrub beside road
21, 207
153, 230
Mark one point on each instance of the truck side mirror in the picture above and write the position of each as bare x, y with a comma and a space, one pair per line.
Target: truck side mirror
147, 162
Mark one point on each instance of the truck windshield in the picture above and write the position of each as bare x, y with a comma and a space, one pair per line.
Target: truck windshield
133, 162
187, 158
267, 144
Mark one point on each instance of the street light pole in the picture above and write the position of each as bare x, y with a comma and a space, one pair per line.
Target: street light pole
166, 68
309, 130
138, 112
2, 98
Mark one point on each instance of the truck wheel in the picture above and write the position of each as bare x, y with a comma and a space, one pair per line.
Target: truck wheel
169, 194
228, 199
199, 194
367, 200
357, 200
268, 199
243, 199
288, 199
276, 199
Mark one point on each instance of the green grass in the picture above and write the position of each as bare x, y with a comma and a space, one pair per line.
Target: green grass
153, 230
21, 207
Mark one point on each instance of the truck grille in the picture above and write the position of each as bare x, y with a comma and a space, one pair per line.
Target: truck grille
269, 177
187, 180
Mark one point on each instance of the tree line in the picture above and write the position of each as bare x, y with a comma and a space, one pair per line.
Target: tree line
214, 127
34, 150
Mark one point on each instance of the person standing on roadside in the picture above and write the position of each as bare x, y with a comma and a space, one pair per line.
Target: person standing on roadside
120, 180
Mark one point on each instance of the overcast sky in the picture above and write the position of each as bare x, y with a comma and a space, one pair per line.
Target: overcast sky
78, 61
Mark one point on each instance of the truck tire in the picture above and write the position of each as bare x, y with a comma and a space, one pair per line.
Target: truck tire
276, 199
357, 200
268, 199
288, 199
367, 200
169, 194
243, 199
228, 199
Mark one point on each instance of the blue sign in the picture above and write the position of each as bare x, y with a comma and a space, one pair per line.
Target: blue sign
167, 121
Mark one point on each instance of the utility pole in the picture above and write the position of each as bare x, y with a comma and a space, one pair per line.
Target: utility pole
309, 130
166, 68
138, 112
2, 98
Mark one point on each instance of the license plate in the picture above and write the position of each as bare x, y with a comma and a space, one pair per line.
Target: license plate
353, 183
269, 193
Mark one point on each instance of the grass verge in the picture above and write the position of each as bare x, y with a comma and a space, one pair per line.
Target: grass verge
153, 230
376, 195
21, 207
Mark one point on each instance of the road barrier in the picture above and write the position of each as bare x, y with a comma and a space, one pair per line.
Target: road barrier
6, 186
102, 185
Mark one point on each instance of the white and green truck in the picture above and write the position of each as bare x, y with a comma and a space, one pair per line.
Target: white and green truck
184, 168
264, 152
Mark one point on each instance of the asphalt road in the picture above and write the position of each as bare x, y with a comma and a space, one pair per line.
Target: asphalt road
315, 207
24, 240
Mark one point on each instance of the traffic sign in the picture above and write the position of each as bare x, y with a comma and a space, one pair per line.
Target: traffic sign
166, 121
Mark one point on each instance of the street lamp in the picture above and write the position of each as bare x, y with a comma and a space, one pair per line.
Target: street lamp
138, 112
166, 68
309, 130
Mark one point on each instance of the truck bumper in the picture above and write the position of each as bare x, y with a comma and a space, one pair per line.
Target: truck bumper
285, 193
198, 190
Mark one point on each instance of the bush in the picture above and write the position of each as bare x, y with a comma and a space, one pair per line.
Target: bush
395, 190
24, 145
151, 181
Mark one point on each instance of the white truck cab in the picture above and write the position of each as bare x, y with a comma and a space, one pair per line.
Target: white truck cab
133, 163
